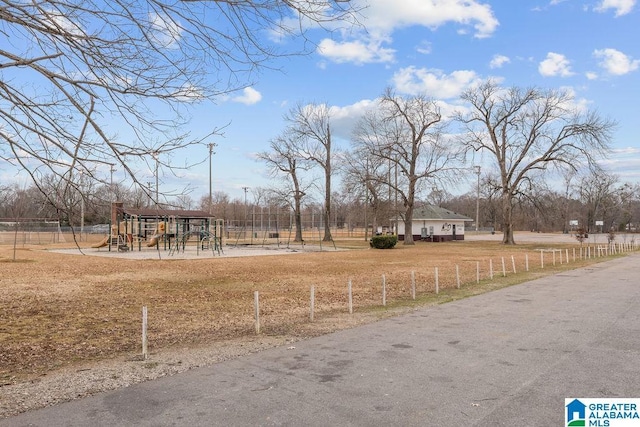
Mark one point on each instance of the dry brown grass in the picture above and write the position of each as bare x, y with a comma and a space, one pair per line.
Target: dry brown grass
56, 310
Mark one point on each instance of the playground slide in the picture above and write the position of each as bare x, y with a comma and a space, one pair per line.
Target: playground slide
153, 240
159, 232
101, 243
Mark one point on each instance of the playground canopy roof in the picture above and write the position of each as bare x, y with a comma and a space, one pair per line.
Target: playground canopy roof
153, 213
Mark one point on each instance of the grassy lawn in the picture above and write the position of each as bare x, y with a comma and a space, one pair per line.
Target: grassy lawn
57, 309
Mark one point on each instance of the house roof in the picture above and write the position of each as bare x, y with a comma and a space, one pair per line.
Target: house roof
431, 212
154, 213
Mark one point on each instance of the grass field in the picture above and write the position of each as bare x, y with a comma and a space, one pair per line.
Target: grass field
57, 310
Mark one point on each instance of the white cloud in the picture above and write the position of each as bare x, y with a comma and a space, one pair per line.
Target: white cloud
387, 16
591, 75
164, 31
382, 17
498, 61
622, 7
249, 96
616, 62
424, 48
189, 92
344, 119
59, 21
555, 65
358, 52
434, 83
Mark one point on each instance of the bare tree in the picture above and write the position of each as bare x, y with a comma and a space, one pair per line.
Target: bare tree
73, 69
363, 177
530, 130
597, 192
283, 160
407, 133
311, 126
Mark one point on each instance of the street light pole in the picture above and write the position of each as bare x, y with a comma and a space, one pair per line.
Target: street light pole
477, 169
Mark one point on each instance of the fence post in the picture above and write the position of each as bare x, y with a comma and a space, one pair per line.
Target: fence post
413, 284
350, 298
477, 271
513, 264
458, 276
256, 304
504, 270
526, 262
384, 290
437, 284
313, 302
145, 352
491, 269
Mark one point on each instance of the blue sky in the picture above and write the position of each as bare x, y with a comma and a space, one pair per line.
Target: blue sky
437, 47
440, 48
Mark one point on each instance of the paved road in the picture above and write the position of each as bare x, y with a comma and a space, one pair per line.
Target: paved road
506, 358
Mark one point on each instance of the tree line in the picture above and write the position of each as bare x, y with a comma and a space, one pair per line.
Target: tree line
583, 198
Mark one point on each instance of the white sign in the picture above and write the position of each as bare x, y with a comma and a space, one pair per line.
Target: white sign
604, 412
599, 222
573, 222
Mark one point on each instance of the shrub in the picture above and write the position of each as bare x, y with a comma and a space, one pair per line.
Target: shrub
384, 242
581, 235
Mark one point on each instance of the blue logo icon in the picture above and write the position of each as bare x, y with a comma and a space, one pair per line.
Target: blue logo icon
576, 414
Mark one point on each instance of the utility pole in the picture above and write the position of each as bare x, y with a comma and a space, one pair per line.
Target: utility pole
81, 205
477, 170
211, 152
156, 156
245, 208
113, 193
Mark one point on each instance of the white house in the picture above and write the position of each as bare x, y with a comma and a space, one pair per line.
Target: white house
435, 224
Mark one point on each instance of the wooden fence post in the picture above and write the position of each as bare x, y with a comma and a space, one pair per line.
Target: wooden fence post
384, 291
145, 352
312, 302
413, 284
256, 303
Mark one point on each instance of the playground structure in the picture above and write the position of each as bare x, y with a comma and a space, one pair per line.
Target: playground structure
163, 229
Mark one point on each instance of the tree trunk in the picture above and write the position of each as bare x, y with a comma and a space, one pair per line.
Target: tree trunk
507, 220
298, 216
298, 220
327, 226
408, 226
327, 189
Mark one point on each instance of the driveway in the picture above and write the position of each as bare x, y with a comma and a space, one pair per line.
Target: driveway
505, 358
